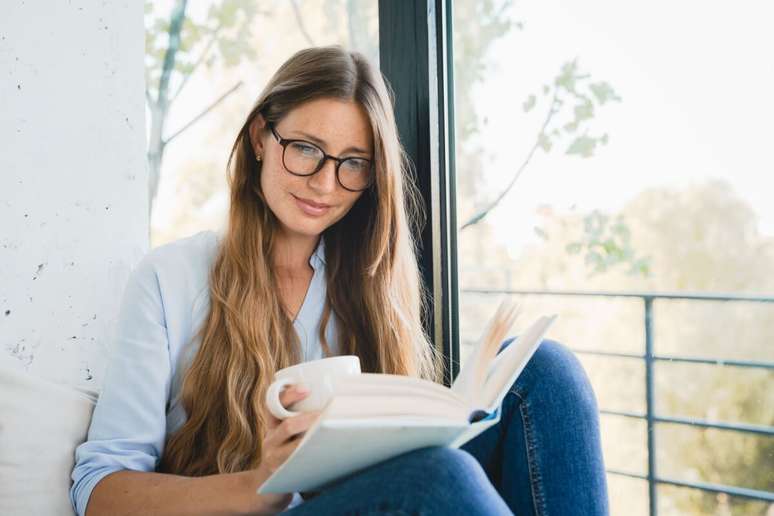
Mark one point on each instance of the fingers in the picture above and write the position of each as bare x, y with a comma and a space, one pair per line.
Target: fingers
282, 440
289, 395
292, 394
290, 429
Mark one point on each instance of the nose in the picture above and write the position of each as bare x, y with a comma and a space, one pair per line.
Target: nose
324, 181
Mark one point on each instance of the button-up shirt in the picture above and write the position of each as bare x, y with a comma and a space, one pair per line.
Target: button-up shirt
165, 302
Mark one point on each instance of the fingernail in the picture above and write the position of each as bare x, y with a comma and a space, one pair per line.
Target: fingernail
302, 389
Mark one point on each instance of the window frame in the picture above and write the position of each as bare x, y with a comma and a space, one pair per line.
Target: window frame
416, 57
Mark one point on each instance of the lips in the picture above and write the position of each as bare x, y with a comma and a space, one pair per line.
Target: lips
311, 208
312, 203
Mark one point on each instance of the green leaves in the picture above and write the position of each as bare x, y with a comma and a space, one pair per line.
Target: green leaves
489, 22
529, 103
540, 232
583, 111
606, 243
573, 248
603, 92
223, 35
544, 142
572, 87
568, 76
583, 146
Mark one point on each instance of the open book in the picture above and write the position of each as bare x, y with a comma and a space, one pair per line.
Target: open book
373, 417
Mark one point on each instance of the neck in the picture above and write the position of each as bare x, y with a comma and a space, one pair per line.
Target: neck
292, 252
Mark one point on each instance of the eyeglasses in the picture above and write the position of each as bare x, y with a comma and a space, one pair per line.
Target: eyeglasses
303, 158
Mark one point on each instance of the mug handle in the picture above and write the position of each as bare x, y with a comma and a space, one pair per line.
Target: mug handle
273, 401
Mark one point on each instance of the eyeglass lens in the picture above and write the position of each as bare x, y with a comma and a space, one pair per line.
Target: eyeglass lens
303, 158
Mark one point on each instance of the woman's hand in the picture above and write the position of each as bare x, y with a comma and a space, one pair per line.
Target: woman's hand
281, 439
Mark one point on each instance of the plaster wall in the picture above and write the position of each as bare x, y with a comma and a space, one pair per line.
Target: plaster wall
73, 181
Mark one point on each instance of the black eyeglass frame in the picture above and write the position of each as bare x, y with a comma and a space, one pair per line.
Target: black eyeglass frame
287, 141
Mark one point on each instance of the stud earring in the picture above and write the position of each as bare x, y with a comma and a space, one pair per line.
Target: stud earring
258, 158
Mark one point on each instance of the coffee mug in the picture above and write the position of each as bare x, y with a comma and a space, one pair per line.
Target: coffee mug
317, 375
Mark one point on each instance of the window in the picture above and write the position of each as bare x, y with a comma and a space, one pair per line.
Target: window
228, 50
607, 154
606, 162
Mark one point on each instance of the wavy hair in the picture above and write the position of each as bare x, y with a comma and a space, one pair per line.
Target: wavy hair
374, 288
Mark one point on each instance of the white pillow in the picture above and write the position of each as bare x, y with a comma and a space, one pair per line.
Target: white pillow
41, 424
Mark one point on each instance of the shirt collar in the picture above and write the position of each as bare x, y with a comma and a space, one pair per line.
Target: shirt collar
318, 256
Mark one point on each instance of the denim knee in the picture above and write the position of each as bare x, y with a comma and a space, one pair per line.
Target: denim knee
557, 373
449, 462
436, 481
457, 478
445, 466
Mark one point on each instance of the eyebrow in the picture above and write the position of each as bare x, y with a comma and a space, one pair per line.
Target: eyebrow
323, 143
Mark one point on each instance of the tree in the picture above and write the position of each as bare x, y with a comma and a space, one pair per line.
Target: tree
703, 238
570, 102
175, 48
228, 41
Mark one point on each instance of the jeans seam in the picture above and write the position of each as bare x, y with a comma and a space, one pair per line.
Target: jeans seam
536, 481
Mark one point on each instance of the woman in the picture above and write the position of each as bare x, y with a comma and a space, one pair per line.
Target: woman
317, 259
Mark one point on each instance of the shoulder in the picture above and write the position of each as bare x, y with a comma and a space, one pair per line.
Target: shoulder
197, 250
182, 265
192, 252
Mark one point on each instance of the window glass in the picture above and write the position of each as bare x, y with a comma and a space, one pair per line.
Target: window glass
229, 49
624, 148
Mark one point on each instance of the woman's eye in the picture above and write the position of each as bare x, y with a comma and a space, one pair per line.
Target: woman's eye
356, 165
305, 149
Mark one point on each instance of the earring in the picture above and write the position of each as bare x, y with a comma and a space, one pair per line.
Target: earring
258, 158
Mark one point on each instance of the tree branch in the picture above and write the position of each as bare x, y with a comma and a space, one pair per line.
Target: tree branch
300, 21
199, 61
148, 98
175, 25
478, 217
204, 112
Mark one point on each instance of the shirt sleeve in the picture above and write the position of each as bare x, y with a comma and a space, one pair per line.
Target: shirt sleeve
128, 425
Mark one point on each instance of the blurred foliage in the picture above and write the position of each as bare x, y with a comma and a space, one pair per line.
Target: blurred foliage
472, 42
223, 36
573, 88
237, 41
361, 21
692, 238
176, 45
606, 242
572, 100
700, 239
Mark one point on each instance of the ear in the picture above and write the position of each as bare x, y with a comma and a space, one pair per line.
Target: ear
256, 129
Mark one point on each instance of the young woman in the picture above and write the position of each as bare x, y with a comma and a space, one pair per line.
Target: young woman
317, 259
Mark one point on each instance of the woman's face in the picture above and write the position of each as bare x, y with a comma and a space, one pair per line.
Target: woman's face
340, 128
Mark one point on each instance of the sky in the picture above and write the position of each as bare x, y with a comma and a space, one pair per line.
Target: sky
696, 81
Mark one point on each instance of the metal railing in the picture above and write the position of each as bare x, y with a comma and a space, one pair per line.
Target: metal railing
650, 416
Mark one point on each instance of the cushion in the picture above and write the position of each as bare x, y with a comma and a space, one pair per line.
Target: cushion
41, 424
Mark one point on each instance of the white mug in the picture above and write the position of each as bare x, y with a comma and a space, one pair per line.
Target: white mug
317, 375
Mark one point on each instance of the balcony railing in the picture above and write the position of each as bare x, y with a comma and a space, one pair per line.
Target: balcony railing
650, 358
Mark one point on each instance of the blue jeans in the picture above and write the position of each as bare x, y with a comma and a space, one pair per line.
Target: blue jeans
544, 457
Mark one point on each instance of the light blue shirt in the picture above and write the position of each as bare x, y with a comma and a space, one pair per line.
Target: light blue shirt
165, 301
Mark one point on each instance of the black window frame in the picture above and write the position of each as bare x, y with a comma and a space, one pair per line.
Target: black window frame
416, 57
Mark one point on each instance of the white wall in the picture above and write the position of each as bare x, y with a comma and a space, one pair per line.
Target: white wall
73, 180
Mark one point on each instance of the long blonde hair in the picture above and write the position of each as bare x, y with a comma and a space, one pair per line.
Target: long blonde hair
373, 284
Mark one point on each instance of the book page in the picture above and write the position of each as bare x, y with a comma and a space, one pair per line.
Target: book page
387, 383
511, 362
470, 380
377, 395
397, 407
